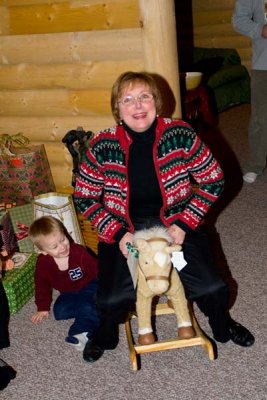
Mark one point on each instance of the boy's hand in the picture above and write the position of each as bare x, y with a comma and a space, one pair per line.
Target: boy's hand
37, 317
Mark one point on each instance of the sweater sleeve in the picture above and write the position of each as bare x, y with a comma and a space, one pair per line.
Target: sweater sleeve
88, 196
208, 174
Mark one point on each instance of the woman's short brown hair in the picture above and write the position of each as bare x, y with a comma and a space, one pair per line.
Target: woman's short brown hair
127, 79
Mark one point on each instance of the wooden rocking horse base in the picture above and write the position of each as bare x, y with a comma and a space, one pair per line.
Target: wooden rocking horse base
135, 350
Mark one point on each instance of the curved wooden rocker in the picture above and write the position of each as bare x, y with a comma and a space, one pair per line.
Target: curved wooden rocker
135, 350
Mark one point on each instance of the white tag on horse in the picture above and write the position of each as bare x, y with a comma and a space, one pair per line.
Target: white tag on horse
178, 260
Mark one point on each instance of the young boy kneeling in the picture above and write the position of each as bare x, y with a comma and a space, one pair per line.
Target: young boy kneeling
69, 268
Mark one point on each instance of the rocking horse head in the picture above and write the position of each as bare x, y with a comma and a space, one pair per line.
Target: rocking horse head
154, 260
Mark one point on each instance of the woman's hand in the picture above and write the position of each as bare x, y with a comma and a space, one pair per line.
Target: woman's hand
37, 317
128, 237
177, 234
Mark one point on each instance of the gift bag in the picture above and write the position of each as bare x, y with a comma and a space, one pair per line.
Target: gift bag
60, 206
21, 218
7, 234
24, 170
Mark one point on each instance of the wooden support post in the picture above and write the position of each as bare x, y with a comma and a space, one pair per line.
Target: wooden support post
160, 44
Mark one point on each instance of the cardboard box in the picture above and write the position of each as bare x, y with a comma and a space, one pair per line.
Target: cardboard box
19, 283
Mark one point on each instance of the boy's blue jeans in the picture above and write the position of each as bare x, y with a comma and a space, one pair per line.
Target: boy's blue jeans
81, 306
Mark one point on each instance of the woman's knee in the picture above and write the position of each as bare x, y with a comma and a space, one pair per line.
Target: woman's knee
216, 296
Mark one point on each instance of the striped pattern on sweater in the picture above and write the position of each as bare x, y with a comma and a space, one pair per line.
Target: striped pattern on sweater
102, 192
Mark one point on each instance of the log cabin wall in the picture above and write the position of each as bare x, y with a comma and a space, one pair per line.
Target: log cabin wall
60, 58
213, 28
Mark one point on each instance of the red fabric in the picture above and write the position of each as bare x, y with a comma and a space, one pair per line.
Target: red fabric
197, 105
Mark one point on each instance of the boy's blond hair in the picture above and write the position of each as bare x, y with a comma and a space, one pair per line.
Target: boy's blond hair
44, 226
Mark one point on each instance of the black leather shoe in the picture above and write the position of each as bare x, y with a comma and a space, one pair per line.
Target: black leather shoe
92, 352
240, 335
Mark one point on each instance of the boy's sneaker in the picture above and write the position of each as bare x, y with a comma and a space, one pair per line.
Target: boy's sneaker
250, 177
78, 341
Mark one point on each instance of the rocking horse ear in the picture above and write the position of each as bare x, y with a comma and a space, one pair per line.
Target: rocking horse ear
172, 248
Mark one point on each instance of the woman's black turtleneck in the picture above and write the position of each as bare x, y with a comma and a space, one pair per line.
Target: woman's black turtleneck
145, 194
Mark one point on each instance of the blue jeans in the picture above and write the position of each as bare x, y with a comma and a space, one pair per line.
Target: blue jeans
81, 306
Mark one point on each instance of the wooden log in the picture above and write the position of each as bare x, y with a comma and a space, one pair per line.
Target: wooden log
72, 47
52, 128
210, 5
53, 103
62, 177
69, 16
213, 30
221, 42
90, 75
245, 53
160, 47
207, 18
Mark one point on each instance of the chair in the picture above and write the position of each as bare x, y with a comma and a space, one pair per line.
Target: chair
224, 74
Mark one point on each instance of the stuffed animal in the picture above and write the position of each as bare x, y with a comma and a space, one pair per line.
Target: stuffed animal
6, 374
156, 276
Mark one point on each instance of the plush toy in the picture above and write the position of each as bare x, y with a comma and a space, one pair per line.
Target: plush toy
156, 276
6, 374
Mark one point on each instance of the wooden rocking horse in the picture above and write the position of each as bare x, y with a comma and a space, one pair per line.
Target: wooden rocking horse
156, 276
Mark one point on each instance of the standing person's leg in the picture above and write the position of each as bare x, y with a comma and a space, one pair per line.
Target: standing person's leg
115, 298
6, 371
204, 285
116, 294
4, 318
257, 134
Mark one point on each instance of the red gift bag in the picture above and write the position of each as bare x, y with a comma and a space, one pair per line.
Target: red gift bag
24, 170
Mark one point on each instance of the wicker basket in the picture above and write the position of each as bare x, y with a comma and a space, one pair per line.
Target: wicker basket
89, 233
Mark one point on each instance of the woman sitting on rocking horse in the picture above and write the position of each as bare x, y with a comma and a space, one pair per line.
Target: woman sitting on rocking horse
137, 175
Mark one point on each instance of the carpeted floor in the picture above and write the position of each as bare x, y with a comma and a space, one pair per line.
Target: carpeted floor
49, 369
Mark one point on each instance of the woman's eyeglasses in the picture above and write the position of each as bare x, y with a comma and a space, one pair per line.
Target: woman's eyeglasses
142, 98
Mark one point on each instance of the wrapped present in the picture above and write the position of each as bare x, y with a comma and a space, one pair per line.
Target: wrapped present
21, 218
19, 283
24, 170
60, 206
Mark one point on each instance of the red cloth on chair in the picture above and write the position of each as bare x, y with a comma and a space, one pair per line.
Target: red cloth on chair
198, 107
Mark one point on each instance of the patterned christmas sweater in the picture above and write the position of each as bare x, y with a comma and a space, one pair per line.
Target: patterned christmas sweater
102, 189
